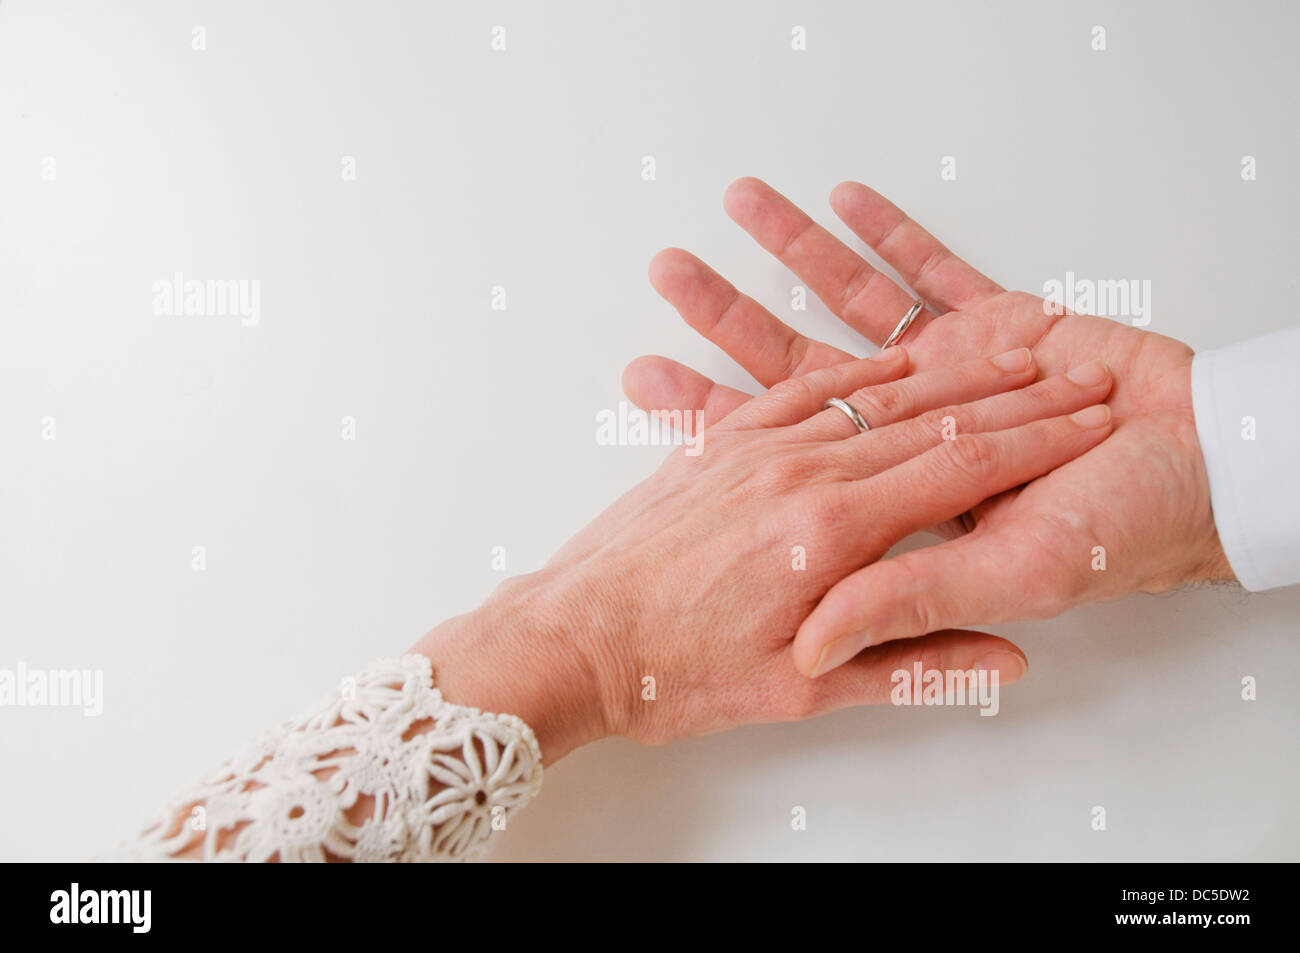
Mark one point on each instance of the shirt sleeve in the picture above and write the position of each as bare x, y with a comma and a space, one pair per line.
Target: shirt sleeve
1246, 398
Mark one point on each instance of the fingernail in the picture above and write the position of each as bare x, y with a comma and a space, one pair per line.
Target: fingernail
888, 354
1016, 360
1089, 417
834, 654
1088, 375
1008, 665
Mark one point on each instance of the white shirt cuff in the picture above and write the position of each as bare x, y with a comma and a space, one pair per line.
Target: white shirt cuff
1246, 398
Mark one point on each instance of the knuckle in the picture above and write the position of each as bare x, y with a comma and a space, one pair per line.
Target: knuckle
1068, 588
881, 404
813, 514
932, 419
973, 456
817, 517
1044, 396
931, 658
795, 355
827, 508
1066, 579
790, 468
937, 257
1038, 400
920, 615
792, 390
933, 423
856, 286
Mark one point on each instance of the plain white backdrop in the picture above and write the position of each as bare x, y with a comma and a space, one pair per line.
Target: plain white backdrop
475, 428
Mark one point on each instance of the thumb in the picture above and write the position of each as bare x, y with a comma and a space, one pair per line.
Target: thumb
1016, 572
873, 677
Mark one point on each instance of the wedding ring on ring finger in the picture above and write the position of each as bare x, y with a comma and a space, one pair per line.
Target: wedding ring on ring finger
849, 411
897, 334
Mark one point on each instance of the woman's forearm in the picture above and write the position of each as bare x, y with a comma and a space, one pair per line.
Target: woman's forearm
422, 757
669, 617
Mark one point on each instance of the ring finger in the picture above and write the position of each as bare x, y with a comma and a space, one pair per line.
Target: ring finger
882, 404
879, 449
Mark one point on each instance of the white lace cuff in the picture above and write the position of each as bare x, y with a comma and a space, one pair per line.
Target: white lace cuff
382, 769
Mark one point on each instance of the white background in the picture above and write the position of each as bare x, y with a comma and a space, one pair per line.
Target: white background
475, 428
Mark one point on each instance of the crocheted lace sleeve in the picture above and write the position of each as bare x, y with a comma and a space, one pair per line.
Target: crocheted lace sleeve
382, 769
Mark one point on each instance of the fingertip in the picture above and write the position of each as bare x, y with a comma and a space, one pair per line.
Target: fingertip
1096, 417
635, 373
855, 198
889, 355
807, 668
1010, 664
824, 659
806, 652
1092, 374
844, 193
828, 638
1018, 361
652, 381
665, 264
742, 195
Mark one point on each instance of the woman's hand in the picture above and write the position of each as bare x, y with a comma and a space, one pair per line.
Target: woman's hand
1134, 515
674, 613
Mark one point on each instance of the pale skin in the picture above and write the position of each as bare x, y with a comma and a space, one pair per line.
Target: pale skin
1142, 496
691, 578
700, 577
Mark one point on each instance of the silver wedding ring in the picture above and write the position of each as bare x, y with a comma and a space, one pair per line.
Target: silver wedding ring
894, 337
897, 334
849, 411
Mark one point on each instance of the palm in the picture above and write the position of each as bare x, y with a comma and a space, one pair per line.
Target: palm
1066, 513
1147, 507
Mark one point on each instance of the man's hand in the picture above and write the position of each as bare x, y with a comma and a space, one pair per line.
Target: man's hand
1133, 514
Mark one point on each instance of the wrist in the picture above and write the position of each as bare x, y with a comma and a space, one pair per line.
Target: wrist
1214, 565
1210, 562
1199, 557
524, 652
